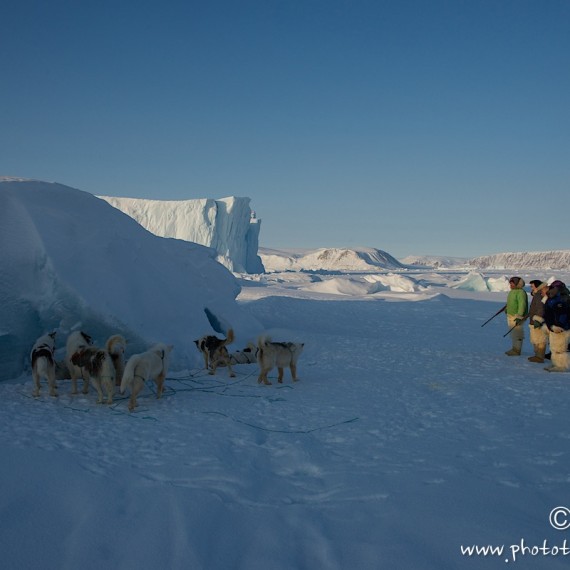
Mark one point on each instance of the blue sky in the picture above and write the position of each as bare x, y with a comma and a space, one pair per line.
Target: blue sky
416, 127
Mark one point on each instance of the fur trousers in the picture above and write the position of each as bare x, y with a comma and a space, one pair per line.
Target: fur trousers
559, 350
538, 336
517, 335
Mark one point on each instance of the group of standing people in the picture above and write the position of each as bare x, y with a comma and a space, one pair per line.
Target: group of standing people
548, 320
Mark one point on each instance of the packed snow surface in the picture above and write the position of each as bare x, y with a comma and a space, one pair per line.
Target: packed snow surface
409, 438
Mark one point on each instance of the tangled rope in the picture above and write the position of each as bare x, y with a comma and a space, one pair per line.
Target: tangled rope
194, 382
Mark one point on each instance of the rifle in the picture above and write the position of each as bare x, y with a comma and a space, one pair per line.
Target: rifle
497, 313
513, 328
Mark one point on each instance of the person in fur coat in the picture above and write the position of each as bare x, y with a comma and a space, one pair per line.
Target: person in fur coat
557, 319
517, 310
537, 329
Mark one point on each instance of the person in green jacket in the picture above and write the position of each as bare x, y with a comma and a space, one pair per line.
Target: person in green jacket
517, 310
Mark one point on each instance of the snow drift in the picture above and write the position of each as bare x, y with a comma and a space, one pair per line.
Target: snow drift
70, 260
228, 225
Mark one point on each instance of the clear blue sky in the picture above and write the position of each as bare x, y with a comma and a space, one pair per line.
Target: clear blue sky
413, 126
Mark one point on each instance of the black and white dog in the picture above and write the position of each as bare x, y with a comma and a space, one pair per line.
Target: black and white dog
43, 363
99, 366
215, 353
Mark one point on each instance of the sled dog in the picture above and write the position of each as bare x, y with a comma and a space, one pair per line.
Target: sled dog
116, 346
43, 363
246, 356
215, 353
152, 364
76, 341
98, 364
280, 354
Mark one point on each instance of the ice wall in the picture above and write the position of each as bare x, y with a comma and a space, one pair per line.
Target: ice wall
227, 225
69, 260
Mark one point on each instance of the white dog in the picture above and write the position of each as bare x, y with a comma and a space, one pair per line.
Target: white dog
280, 354
43, 363
76, 342
152, 364
116, 346
99, 366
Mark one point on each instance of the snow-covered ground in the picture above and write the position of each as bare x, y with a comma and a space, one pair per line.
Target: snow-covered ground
409, 437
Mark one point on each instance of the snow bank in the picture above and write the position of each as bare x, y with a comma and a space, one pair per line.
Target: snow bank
70, 260
228, 225
357, 286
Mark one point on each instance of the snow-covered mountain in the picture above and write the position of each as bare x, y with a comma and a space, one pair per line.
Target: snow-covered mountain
69, 260
435, 261
227, 225
328, 259
555, 260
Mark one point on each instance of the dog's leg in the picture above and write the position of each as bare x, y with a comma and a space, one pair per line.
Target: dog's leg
205, 355
214, 364
51, 381
294, 372
110, 385
36, 377
232, 373
97, 384
85, 382
263, 377
137, 387
73, 372
280, 376
119, 370
159, 384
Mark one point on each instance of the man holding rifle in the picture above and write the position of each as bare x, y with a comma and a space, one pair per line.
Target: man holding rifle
517, 311
538, 332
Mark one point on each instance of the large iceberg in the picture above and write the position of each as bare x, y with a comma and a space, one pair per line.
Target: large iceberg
227, 225
69, 260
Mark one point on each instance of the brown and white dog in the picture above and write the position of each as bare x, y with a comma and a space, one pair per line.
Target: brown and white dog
99, 366
43, 363
116, 346
152, 364
76, 341
215, 353
280, 354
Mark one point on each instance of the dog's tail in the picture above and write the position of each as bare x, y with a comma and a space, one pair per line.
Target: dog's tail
115, 344
230, 337
262, 342
128, 374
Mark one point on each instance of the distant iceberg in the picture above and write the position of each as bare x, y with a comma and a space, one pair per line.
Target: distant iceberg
476, 282
228, 225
